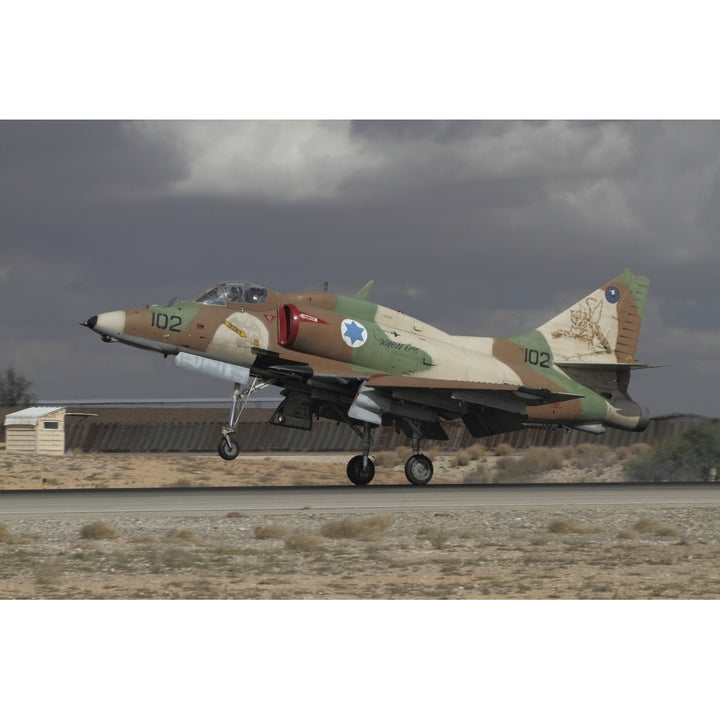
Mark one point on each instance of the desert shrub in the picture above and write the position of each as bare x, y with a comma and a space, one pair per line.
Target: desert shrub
622, 454
504, 449
5, 535
686, 458
302, 541
403, 452
437, 536
177, 535
653, 527
237, 514
176, 558
535, 461
477, 451
589, 456
563, 525
462, 458
271, 531
363, 529
476, 476
645, 525
386, 458
97, 530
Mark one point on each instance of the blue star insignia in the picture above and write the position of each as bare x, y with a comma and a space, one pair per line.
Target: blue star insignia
353, 332
612, 294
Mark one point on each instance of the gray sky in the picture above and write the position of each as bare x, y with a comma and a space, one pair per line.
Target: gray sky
483, 228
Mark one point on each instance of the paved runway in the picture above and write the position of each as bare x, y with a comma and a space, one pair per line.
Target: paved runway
188, 500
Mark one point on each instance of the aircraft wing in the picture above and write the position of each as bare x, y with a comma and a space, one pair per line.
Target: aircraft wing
513, 398
485, 408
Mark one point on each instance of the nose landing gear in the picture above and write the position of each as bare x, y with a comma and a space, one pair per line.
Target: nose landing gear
229, 448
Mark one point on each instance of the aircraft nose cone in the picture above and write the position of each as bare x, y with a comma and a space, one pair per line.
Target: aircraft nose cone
109, 323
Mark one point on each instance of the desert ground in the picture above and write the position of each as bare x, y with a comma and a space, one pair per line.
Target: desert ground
577, 552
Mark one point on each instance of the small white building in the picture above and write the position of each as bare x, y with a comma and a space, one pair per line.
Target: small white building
38, 430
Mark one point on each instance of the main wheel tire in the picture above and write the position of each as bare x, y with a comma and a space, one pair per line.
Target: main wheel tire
228, 449
419, 469
358, 474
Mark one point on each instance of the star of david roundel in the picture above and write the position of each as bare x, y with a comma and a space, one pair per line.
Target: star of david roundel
612, 294
354, 333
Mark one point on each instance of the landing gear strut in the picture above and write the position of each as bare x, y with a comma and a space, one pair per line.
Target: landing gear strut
419, 467
229, 448
361, 469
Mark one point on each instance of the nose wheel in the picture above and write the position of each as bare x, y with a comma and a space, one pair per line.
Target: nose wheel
228, 449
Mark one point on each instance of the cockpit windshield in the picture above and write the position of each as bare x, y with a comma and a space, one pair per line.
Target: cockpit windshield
234, 292
213, 296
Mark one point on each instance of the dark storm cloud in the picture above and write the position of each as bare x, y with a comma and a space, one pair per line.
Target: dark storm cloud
478, 227
51, 163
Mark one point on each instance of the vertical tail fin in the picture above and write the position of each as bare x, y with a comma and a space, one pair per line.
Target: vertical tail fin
602, 328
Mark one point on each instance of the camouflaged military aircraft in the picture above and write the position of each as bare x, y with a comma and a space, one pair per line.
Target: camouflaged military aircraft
353, 361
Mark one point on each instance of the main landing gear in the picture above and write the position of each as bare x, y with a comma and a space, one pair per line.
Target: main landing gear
361, 469
229, 448
419, 467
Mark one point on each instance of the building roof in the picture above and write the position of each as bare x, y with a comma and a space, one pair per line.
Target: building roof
29, 416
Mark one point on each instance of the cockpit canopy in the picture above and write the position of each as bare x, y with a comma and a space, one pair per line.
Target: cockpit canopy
233, 292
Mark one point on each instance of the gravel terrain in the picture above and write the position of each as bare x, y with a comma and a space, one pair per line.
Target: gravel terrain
573, 552
488, 553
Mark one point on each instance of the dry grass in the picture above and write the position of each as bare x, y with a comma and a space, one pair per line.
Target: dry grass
179, 535
504, 449
535, 461
97, 530
404, 453
477, 451
347, 528
652, 527
438, 536
589, 456
386, 458
302, 541
176, 558
564, 525
270, 531
478, 475
462, 458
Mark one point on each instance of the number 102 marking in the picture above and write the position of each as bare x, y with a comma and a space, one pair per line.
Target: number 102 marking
535, 357
164, 322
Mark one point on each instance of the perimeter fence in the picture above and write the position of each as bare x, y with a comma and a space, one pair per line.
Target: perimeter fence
202, 437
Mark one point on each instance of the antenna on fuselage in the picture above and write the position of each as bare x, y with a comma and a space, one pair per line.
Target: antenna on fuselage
325, 285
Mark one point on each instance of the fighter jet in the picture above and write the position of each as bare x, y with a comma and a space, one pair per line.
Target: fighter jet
353, 361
